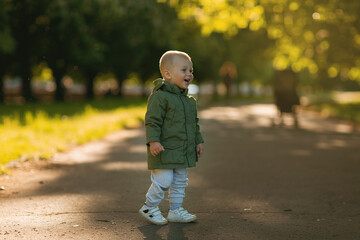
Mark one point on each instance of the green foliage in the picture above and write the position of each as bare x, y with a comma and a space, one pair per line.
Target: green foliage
320, 40
346, 111
7, 42
342, 105
321, 37
86, 38
40, 130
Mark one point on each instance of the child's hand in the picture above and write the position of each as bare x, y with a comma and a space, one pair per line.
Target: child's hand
200, 149
156, 148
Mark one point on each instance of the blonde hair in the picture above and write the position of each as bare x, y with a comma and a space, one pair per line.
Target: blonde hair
167, 58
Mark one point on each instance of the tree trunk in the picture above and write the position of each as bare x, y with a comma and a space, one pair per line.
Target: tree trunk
2, 90
120, 79
120, 86
90, 84
2, 74
60, 90
23, 50
26, 82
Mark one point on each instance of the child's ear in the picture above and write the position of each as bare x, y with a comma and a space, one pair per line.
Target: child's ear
167, 74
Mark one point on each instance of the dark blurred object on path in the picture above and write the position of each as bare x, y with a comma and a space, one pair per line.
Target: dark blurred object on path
229, 74
285, 94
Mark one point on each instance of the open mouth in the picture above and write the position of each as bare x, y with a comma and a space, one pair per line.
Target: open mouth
187, 80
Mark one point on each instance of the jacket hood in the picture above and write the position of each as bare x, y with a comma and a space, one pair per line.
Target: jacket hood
169, 87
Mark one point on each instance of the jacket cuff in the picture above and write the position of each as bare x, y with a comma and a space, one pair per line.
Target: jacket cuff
152, 139
199, 139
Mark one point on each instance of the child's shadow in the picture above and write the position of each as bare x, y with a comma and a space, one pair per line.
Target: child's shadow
176, 231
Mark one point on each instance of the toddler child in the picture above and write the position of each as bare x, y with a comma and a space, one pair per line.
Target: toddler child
173, 138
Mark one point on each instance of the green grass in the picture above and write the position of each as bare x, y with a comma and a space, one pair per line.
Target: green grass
38, 130
346, 111
341, 105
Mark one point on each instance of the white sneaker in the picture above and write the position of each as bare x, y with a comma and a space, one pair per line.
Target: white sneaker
153, 215
180, 215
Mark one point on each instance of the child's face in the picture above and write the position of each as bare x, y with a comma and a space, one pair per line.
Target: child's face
180, 73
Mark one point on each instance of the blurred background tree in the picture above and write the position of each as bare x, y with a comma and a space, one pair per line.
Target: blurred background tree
7, 44
320, 39
85, 39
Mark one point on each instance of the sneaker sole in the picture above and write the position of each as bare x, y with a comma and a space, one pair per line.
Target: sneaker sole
149, 220
182, 221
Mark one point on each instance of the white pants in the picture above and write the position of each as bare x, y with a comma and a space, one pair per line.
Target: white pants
174, 181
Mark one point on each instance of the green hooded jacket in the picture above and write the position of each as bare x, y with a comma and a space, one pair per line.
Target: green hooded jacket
171, 119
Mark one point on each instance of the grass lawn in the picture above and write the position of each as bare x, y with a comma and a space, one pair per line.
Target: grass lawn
342, 105
38, 130
346, 111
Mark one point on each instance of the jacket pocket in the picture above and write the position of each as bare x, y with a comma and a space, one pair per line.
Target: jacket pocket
173, 154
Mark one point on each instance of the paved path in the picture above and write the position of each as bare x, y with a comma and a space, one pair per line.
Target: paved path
255, 181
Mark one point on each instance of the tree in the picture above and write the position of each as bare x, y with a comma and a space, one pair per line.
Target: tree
7, 44
70, 41
112, 33
24, 30
149, 29
25, 23
305, 33
90, 52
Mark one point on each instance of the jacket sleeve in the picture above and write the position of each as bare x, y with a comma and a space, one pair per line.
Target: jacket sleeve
198, 136
154, 117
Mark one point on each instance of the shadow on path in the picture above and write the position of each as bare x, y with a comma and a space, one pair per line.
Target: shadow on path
175, 231
254, 181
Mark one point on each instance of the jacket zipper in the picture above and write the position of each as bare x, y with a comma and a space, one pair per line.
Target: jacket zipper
187, 137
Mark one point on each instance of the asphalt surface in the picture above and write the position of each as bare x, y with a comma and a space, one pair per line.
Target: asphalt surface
254, 181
